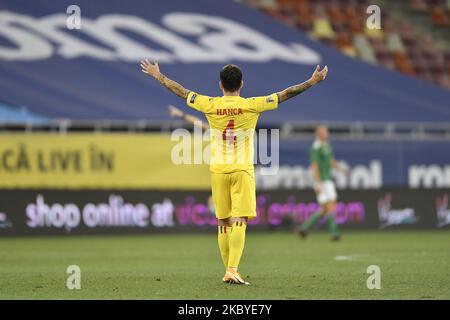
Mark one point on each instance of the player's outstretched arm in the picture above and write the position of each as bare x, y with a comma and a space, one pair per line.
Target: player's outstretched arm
316, 177
339, 166
196, 122
317, 76
153, 71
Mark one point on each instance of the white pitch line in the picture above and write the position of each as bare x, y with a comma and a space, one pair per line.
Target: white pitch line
363, 257
351, 257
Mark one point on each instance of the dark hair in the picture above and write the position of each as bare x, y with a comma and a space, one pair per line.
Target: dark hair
231, 77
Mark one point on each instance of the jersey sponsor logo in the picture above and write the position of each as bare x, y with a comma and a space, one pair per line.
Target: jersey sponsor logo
229, 112
269, 99
183, 38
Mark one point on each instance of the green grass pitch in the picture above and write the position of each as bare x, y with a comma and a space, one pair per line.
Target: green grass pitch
414, 265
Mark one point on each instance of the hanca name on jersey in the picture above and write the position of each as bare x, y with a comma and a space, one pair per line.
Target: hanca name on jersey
229, 112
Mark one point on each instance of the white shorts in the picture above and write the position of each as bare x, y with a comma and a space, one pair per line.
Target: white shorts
328, 192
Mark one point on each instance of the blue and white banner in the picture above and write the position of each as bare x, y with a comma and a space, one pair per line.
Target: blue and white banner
372, 165
58, 60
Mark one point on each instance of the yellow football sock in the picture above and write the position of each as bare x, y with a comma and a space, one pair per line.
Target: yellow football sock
237, 241
224, 239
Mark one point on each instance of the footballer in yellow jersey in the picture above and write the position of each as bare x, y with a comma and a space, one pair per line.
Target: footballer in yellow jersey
232, 121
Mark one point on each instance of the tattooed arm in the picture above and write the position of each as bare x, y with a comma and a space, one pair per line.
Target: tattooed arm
153, 71
317, 76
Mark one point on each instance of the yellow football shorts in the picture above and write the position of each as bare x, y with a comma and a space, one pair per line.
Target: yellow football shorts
234, 194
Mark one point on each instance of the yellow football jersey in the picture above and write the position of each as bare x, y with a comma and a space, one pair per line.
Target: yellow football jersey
232, 121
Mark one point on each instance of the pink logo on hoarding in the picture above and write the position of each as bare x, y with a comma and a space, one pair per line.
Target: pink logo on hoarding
300, 211
192, 212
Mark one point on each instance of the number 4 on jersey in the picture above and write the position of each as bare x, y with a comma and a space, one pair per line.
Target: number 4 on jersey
228, 133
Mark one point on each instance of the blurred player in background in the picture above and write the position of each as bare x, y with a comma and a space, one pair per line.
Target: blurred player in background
322, 162
196, 122
232, 120
193, 120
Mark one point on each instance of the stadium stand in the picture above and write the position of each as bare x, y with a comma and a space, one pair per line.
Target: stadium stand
414, 40
80, 88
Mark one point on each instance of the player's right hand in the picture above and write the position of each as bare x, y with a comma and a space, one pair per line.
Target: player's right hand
319, 75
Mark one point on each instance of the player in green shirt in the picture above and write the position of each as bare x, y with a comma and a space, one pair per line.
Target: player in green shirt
322, 162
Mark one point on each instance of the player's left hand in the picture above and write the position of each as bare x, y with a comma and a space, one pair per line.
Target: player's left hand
151, 69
